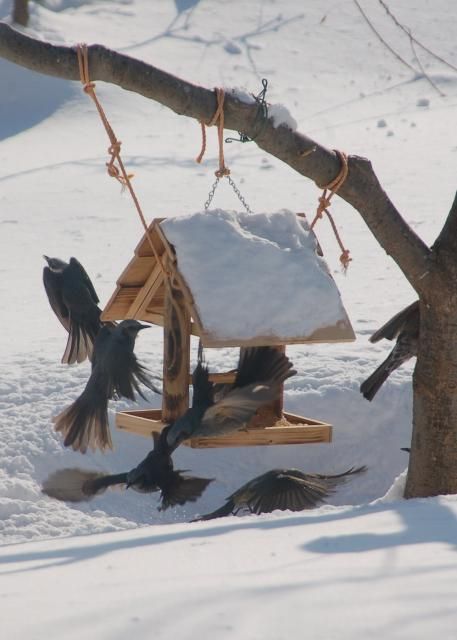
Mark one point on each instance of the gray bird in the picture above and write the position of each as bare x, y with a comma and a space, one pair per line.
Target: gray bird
404, 328
260, 374
73, 299
283, 489
116, 373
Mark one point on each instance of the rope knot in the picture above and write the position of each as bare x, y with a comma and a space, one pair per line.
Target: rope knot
220, 173
89, 87
113, 171
115, 148
325, 202
345, 259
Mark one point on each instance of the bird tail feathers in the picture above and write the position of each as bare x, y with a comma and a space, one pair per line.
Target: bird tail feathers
84, 424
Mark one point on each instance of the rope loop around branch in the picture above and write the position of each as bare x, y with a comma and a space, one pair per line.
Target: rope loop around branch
325, 201
217, 119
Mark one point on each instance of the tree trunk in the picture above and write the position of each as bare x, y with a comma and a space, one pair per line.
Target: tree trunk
21, 12
433, 459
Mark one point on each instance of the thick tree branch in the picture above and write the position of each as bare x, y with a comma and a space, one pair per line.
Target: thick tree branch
361, 189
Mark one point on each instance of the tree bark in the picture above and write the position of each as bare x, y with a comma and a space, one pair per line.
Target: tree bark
21, 12
431, 272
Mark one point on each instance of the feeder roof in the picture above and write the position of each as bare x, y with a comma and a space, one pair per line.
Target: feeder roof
247, 279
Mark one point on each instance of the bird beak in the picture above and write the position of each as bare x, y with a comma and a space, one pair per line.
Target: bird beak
144, 326
46, 258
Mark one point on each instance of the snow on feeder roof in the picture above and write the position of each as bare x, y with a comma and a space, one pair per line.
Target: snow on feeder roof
247, 279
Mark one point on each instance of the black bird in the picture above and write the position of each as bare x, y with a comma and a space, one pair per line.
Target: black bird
73, 299
154, 473
260, 373
116, 373
404, 327
283, 489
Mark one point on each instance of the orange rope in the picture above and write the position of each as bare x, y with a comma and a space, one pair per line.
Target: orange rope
325, 202
114, 149
218, 118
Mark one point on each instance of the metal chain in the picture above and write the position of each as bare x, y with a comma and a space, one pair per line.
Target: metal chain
235, 189
238, 193
211, 193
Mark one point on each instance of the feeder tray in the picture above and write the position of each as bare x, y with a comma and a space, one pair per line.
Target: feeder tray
155, 287
289, 429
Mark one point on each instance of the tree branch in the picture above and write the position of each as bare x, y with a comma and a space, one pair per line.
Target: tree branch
361, 188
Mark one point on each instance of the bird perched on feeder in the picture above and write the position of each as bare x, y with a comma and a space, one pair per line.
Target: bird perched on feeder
404, 327
260, 374
116, 373
283, 489
73, 299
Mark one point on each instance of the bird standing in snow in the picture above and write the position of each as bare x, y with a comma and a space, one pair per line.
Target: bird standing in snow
404, 327
283, 489
261, 372
116, 373
73, 299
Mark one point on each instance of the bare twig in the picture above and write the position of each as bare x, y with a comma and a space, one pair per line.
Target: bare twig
424, 73
379, 36
415, 40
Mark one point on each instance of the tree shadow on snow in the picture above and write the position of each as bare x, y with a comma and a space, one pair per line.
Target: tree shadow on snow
434, 524
28, 97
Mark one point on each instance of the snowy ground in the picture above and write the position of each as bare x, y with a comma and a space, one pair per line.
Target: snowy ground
374, 569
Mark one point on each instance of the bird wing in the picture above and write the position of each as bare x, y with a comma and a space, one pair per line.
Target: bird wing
281, 490
180, 489
85, 278
77, 485
203, 389
235, 409
262, 365
53, 287
394, 326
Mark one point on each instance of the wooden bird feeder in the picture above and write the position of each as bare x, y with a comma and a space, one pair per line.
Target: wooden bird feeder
166, 283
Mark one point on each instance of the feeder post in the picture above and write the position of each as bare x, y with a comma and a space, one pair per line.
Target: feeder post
278, 404
176, 354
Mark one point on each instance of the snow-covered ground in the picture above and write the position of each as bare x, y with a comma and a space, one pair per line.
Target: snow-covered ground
378, 568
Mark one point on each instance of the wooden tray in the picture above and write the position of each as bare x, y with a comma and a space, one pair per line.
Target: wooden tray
290, 429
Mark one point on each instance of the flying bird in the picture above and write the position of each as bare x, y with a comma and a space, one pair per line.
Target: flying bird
154, 473
260, 374
283, 489
404, 328
73, 299
116, 373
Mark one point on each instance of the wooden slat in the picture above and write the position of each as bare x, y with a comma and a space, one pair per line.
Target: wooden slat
300, 431
226, 377
138, 272
342, 333
148, 290
121, 301
143, 248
